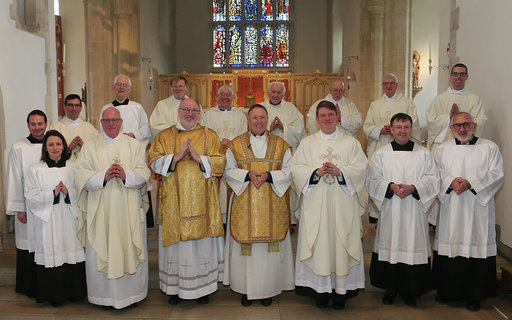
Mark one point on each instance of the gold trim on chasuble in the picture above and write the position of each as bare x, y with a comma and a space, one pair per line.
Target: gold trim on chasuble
259, 216
180, 220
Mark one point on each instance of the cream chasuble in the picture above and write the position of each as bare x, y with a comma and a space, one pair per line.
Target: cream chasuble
466, 223
380, 114
71, 129
22, 156
113, 213
351, 118
292, 119
402, 230
330, 224
438, 115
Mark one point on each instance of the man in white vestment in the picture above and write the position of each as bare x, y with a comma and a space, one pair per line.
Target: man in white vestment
471, 170
457, 98
24, 153
111, 174
287, 122
349, 118
186, 159
229, 122
165, 113
258, 252
135, 119
329, 168
403, 182
75, 130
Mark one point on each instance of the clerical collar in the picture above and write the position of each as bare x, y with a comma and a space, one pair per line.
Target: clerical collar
73, 123
330, 136
459, 92
390, 99
258, 135
55, 164
112, 140
275, 105
470, 142
409, 146
119, 103
334, 101
180, 127
228, 109
33, 140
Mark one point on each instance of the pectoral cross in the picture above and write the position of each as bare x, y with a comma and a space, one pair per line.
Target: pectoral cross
329, 178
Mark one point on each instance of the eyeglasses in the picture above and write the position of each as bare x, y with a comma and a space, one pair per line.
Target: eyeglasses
71, 105
114, 121
225, 94
120, 84
187, 110
388, 83
459, 74
338, 90
464, 125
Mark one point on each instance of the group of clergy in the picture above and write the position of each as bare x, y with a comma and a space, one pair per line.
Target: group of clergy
256, 173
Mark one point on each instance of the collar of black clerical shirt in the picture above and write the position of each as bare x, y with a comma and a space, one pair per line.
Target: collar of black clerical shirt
34, 140
471, 142
258, 135
117, 103
227, 109
56, 164
409, 146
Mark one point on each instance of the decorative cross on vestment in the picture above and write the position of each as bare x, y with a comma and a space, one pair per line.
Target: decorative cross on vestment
386, 118
186, 266
226, 131
205, 263
329, 178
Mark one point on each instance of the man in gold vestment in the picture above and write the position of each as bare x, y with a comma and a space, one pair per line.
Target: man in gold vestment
259, 258
186, 158
111, 175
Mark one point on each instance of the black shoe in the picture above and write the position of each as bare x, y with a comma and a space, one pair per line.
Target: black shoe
56, 304
388, 299
244, 301
107, 307
133, 305
203, 300
441, 299
473, 305
174, 300
338, 301
322, 300
410, 301
266, 302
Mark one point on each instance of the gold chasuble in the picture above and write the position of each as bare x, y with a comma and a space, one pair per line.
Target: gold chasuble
259, 215
188, 203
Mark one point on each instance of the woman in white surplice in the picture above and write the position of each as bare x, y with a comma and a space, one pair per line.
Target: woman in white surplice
51, 198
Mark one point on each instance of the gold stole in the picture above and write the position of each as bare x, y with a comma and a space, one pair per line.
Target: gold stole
189, 206
259, 215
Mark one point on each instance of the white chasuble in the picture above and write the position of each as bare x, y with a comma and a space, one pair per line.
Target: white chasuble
466, 223
262, 274
402, 230
55, 241
330, 224
23, 154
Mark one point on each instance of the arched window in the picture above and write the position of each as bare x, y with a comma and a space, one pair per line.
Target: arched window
251, 34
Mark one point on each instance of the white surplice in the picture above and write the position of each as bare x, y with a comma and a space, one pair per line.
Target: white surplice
402, 230
263, 274
351, 118
329, 251
73, 128
54, 240
22, 156
466, 223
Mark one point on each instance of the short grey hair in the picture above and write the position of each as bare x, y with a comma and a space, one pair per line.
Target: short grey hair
277, 82
462, 112
123, 75
227, 87
390, 75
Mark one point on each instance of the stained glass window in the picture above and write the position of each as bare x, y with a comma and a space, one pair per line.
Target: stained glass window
251, 47
283, 7
251, 10
235, 47
266, 10
282, 49
219, 10
235, 10
251, 33
219, 47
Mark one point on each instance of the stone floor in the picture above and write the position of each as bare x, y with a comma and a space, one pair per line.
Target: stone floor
225, 304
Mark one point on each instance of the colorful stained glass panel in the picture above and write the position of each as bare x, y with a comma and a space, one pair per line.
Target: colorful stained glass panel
219, 10
251, 47
266, 47
251, 10
219, 47
283, 8
235, 47
266, 10
282, 47
235, 10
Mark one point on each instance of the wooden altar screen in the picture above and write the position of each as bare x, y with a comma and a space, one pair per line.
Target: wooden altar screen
250, 86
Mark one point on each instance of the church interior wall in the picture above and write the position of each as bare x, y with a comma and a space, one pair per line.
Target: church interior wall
425, 40
350, 50
482, 45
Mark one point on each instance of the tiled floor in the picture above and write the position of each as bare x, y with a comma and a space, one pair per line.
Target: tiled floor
225, 304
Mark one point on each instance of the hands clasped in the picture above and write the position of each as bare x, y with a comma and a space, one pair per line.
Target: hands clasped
61, 187
459, 185
258, 178
276, 123
77, 141
328, 167
402, 190
187, 149
115, 171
